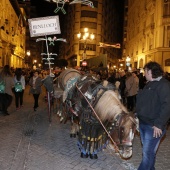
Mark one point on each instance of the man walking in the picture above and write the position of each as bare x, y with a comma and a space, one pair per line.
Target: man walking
153, 111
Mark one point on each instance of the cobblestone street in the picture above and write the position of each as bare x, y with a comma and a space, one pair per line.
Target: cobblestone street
29, 142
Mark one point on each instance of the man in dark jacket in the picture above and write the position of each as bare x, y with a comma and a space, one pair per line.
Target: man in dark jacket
153, 111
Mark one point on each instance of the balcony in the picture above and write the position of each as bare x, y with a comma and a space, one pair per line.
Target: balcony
14, 40
166, 20
3, 35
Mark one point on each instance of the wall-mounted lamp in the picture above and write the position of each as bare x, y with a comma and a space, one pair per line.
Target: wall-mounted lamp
28, 53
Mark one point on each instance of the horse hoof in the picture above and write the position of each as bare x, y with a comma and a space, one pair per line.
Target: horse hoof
93, 156
74, 135
84, 155
71, 135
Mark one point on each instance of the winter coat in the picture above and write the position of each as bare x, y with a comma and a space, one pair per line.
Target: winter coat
9, 84
153, 103
131, 86
37, 88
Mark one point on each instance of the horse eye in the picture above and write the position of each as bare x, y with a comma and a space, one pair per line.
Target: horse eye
122, 129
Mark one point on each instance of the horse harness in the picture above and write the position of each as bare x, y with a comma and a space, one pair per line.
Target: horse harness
116, 127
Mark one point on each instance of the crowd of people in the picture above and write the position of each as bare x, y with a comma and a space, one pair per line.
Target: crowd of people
128, 84
147, 95
13, 82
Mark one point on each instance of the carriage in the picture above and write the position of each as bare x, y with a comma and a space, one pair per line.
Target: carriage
96, 113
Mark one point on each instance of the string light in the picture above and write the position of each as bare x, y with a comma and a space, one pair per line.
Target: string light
62, 2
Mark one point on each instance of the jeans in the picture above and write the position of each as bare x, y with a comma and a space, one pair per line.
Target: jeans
36, 96
150, 146
5, 101
19, 98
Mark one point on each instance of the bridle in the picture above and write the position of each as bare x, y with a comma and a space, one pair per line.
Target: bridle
117, 128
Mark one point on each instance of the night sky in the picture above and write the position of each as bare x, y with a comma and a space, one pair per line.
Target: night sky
44, 8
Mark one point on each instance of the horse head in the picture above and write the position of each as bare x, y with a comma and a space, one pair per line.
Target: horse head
122, 125
122, 133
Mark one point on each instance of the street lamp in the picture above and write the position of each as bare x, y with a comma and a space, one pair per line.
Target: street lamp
128, 62
34, 64
27, 57
85, 37
28, 53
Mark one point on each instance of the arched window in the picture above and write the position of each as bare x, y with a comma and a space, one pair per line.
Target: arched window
141, 63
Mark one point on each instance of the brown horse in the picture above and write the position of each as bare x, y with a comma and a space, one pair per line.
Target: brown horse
101, 116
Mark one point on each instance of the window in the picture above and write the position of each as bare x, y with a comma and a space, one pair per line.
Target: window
166, 8
151, 40
168, 35
91, 25
91, 14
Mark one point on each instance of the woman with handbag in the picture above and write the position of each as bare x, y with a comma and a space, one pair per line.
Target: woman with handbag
35, 89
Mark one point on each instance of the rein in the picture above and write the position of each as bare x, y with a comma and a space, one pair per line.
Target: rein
114, 143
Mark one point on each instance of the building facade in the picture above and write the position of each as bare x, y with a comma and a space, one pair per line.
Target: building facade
103, 21
12, 34
147, 33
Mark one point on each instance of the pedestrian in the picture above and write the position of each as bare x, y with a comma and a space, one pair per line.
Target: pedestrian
142, 81
19, 91
122, 86
131, 90
135, 73
111, 78
153, 111
7, 96
35, 89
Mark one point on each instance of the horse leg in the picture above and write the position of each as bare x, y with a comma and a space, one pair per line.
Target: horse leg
61, 114
83, 140
94, 142
73, 130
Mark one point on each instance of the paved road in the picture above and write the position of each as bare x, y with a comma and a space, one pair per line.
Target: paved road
29, 142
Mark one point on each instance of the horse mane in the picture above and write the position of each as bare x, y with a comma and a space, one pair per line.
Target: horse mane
109, 106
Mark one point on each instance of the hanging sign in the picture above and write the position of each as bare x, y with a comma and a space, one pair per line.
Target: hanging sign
44, 26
